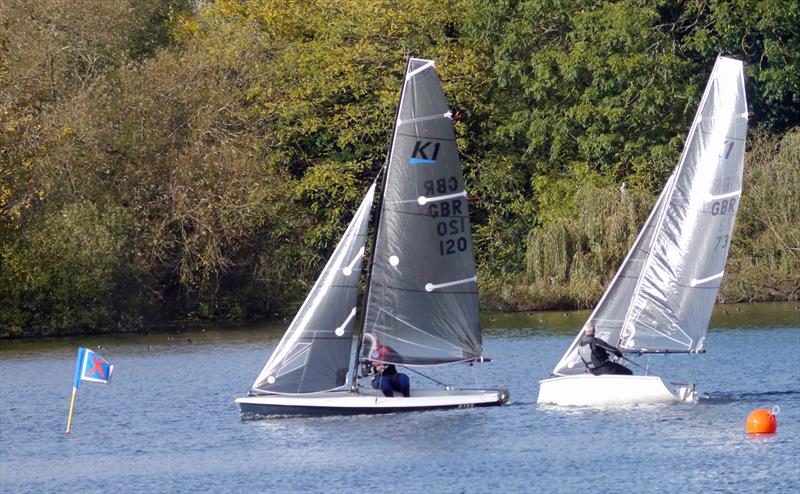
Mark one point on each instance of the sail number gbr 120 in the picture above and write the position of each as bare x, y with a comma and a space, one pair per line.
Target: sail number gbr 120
451, 224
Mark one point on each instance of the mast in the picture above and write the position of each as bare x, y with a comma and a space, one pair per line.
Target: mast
384, 172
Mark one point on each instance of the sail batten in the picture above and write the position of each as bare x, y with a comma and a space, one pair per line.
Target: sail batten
447, 115
664, 292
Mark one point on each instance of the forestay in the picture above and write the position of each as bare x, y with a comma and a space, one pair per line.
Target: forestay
314, 354
423, 295
662, 297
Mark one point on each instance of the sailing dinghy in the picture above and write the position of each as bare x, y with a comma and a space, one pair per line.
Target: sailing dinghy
421, 296
661, 298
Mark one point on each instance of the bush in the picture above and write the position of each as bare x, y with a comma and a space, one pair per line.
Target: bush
571, 260
73, 270
765, 254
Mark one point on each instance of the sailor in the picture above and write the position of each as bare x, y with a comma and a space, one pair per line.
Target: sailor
594, 353
385, 376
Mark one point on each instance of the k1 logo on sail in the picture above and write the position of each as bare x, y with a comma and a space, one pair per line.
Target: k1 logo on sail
422, 152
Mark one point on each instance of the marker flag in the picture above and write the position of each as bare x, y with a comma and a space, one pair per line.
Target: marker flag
91, 367
88, 367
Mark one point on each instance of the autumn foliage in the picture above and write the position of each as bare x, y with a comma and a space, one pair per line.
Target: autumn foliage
166, 160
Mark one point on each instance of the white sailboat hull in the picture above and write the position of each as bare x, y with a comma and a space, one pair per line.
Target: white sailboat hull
369, 401
587, 390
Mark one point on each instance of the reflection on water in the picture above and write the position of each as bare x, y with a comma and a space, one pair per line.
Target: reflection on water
726, 316
736, 316
762, 316
168, 423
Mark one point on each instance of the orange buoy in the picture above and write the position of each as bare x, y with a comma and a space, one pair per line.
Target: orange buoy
762, 421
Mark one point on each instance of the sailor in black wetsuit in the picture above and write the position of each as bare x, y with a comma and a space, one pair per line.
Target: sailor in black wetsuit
594, 353
385, 376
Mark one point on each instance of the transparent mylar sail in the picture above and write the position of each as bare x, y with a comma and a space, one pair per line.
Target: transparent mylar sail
662, 297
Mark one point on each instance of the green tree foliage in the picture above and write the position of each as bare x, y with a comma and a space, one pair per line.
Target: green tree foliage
204, 157
763, 33
587, 81
765, 254
72, 271
570, 260
176, 141
586, 93
582, 90
331, 91
50, 52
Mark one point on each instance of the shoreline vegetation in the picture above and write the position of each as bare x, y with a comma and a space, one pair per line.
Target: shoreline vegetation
570, 261
174, 160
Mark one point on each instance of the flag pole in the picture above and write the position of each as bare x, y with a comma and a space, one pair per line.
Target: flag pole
71, 408
76, 383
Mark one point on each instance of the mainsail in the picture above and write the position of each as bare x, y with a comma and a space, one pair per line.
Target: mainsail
662, 296
423, 295
314, 354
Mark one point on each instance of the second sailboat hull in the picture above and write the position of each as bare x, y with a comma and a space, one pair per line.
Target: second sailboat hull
368, 401
587, 390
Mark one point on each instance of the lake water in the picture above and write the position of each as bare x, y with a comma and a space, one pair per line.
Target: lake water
168, 423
